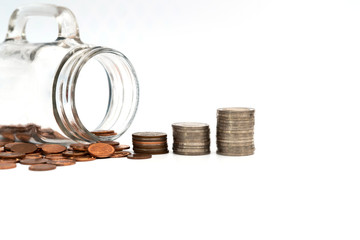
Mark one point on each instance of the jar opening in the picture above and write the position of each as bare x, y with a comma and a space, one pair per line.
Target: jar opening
74, 84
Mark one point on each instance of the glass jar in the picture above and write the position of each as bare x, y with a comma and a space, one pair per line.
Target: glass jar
61, 91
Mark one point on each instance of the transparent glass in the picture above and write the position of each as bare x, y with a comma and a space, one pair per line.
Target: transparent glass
39, 97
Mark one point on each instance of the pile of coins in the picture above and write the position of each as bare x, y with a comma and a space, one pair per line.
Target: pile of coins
43, 157
191, 138
150, 142
235, 131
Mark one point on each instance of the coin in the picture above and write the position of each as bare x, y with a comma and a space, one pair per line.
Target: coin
9, 145
68, 153
190, 125
33, 155
79, 147
62, 162
112, 143
154, 139
30, 161
151, 151
149, 134
119, 154
55, 156
11, 155
121, 147
4, 166
85, 158
42, 167
103, 132
101, 150
24, 148
53, 148
138, 156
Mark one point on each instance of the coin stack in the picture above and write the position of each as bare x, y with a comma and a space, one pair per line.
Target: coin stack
191, 138
150, 142
235, 131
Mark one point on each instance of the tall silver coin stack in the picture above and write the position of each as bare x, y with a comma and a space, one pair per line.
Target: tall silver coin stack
235, 131
191, 138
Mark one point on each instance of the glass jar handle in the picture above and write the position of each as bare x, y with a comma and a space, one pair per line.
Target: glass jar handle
68, 27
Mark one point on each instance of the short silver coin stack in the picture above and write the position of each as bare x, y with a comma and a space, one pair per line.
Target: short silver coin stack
191, 138
235, 131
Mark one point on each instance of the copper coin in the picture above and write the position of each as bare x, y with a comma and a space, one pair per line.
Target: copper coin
42, 167
24, 148
11, 155
7, 165
139, 156
53, 148
121, 147
101, 150
79, 147
102, 132
34, 156
3, 143
16, 160
105, 134
9, 145
149, 134
55, 156
84, 158
120, 154
2, 149
112, 143
30, 161
73, 154
62, 162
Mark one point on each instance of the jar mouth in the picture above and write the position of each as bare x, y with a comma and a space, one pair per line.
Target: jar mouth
123, 93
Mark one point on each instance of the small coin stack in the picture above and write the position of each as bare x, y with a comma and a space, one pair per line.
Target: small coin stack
150, 142
191, 138
235, 131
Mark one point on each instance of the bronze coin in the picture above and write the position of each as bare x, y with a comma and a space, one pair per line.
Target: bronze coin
96, 132
3, 143
120, 154
149, 134
112, 143
11, 155
2, 149
55, 156
9, 145
7, 165
84, 158
34, 156
16, 160
53, 148
30, 161
139, 156
62, 162
79, 147
101, 150
105, 134
121, 147
24, 148
42, 167
73, 154
151, 151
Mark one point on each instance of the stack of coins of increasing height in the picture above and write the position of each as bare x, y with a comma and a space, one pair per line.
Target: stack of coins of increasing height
191, 138
150, 142
235, 131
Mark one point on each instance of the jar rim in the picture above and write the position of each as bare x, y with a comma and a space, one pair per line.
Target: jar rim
63, 93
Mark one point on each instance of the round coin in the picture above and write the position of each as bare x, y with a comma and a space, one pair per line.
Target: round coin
101, 150
139, 156
84, 158
112, 143
79, 147
11, 155
30, 161
24, 148
73, 153
120, 154
62, 162
96, 132
4, 165
149, 134
42, 167
53, 148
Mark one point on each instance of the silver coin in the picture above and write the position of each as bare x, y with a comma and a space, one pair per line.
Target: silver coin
235, 154
190, 125
191, 153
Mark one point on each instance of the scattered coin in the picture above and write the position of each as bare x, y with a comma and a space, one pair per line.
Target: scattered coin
53, 148
73, 153
121, 147
7, 165
24, 148
84, 158
119, 154
101, 150
42, 167
55, 156
139, 156
79, 147
30, 161
112, 143
11, 155
62, 162
103, 132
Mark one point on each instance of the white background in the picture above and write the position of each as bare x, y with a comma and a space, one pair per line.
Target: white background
296, 62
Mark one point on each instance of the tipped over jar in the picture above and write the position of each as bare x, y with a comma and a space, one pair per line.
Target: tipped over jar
62, 91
